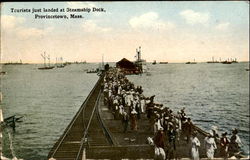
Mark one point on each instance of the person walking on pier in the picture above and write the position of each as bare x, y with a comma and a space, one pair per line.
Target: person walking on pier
125, 121
195, 147
183, 115
210, 145
224, 142
235, 144
150, 107
159, 139
187, 127
142, 103
171, 141
133, 118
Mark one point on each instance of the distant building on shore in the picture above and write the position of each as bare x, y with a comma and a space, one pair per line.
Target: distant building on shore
127, 67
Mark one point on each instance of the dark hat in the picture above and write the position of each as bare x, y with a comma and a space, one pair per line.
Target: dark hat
235, 131
224, 134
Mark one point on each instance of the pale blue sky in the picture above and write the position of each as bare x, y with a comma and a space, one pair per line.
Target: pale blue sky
172, 31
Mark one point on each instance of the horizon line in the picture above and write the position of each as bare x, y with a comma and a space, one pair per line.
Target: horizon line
76, 62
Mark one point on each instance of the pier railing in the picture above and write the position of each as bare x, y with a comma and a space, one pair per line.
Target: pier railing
84, 138
107, 135
62, 138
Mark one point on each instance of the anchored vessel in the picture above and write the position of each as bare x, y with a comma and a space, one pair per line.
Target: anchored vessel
45, 66
213, 61
191, 62
163, 63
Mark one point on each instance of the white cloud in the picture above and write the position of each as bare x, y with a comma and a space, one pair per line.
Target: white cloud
10, 22
25, 33
222, 26
193, 17
81, 4
150, 20
14, 25
91, 26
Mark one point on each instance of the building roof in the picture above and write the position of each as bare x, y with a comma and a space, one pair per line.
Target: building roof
126, 64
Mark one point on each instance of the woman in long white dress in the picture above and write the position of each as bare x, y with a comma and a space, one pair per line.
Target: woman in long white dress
210, 146
195, 147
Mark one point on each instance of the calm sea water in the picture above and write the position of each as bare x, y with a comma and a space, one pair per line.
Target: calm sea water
213, 94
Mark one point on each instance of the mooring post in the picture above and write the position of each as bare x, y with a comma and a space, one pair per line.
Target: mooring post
14, 123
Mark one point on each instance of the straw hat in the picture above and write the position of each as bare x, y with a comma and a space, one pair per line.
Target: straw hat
210, 133
133, 112
161, 129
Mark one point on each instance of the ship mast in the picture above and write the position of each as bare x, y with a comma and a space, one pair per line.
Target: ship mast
49, 59
139, 61
44, 58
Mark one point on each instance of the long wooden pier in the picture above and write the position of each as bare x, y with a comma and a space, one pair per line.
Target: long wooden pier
93, 133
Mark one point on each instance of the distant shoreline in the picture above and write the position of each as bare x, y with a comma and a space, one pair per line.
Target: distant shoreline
108, 62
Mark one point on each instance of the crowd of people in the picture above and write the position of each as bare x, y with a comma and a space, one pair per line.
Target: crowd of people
128, 103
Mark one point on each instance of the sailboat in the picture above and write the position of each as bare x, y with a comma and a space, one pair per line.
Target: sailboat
213, 61
45, 66
226, 62
61, 65
191, 62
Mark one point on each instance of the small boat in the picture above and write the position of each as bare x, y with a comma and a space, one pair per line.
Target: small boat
191, 62
61, 66
226, 62
154, 62
47, 67
163, 63
234, 61
59, 63
3, 73
229, 61
14, 63
93, 71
